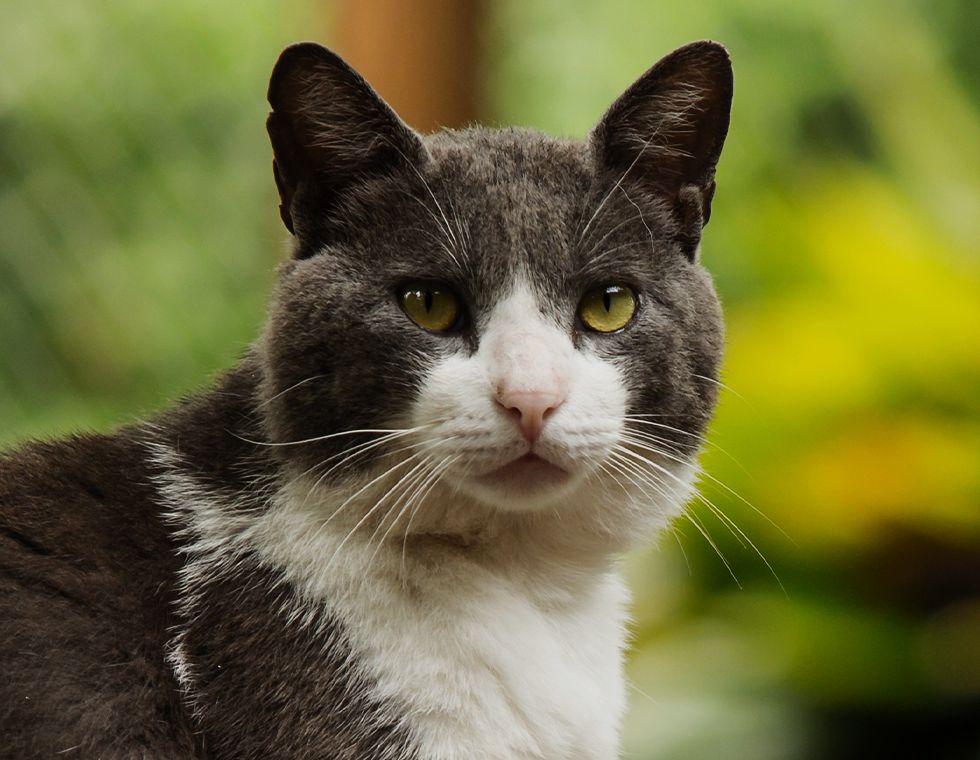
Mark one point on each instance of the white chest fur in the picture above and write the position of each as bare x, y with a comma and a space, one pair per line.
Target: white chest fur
487, 661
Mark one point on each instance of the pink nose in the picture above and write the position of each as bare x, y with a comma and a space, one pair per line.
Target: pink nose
531, 407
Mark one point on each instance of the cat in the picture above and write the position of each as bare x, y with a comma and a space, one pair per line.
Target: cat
392, 531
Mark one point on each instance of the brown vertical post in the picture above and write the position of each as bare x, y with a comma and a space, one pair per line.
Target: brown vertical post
422, 56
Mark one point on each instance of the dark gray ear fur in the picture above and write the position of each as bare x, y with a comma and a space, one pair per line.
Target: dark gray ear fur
329, 129
667, 131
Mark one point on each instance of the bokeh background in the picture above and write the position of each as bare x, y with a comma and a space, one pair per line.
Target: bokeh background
841, 618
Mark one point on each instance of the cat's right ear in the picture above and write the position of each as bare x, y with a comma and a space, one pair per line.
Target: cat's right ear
667, 130
329, 129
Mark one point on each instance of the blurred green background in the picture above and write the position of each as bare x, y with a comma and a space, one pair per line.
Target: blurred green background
139, 234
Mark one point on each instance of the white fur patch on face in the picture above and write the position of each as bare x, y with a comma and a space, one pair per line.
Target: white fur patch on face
474, 407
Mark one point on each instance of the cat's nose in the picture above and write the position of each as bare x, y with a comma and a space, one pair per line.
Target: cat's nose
531, 407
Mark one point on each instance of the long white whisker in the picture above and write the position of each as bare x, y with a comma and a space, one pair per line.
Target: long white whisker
365, 487
714, 507
638, 435
639, 442
446, 228
367, 515
356, 450
653, 244
609, 233
290, 388
400, 449
722, 385
631, 469
691, 515
633, 418
701, 439
419, 499
408, 484
325, 475
333, 435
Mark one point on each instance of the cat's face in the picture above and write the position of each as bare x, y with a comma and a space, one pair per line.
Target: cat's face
520, 318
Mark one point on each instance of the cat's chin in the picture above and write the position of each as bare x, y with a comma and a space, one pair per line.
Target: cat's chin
526, 483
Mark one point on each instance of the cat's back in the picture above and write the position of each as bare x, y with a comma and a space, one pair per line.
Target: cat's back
86, 568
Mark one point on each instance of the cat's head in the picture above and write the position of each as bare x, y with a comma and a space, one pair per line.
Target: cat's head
520, 320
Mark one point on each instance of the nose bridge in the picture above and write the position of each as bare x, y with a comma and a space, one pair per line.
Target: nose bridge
528, 366
527, 363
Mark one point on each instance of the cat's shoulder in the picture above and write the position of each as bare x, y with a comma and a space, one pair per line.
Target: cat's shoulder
78, 492
86, 568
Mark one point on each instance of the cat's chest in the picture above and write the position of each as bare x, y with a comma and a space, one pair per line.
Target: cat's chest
484, 667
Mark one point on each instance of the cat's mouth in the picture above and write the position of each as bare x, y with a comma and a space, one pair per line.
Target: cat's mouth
527, 473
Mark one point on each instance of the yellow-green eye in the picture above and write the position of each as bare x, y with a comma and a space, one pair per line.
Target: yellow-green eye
607, 308
432, 307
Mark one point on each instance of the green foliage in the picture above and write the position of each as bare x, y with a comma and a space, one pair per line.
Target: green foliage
139, 227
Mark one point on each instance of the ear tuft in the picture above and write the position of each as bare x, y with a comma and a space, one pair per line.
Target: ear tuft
328, 129
667, 130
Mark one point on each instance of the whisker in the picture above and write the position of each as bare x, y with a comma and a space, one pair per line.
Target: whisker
675, 531
446, 227
696, 436
653, 244
591, 264
355, 450
290, 388
638, 435
367, 515
608, 195
627, 467
333, 435
409, 482
419, 498
609, 233
713, 479
374, 444
365, 487
321, 478
691, 515
611, 474
632, 467
722, 385
440, 242
701, 439
726, 520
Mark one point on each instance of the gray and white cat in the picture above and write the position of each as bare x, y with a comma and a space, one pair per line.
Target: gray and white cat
392, 530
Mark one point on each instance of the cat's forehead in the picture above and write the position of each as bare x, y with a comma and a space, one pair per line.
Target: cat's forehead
526, 204
512, 158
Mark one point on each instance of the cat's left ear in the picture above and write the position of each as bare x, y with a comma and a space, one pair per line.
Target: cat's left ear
667, 131
329, 130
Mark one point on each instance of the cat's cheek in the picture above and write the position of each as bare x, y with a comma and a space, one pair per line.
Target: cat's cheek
446, 391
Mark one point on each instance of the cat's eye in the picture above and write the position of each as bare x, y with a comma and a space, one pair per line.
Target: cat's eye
432, 307
607, 308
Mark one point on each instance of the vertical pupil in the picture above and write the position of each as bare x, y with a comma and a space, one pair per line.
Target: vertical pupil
607, 298
427, 297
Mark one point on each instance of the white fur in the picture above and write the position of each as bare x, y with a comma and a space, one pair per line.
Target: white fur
488, 656
494, 624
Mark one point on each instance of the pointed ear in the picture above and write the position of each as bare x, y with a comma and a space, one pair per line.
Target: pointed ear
667, 130
329, 129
